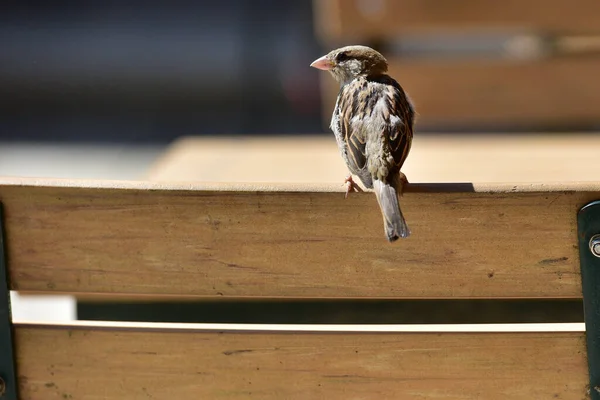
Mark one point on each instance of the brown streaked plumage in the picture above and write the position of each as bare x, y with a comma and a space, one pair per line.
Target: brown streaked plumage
373, 125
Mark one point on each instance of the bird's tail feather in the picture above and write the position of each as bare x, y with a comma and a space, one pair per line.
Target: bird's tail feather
393, 220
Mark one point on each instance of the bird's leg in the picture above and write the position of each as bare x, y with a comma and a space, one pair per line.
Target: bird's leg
351, 186
403, 183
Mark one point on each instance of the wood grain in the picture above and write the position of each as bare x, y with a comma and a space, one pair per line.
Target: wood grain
144, 238
84, 363
521, 158
350, 20
525, 93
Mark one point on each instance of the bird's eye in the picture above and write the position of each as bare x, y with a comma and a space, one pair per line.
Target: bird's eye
341, 57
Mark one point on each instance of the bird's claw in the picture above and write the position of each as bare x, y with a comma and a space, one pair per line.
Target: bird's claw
403, 182
351, 186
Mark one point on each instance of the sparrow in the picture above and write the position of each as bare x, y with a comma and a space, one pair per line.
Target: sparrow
373, 125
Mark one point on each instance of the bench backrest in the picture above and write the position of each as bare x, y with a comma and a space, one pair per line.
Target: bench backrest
280, 242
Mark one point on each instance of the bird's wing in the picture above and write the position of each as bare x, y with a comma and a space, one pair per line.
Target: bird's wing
398, 116
353, 138
363, 101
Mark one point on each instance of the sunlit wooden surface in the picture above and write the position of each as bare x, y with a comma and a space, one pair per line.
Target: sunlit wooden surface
568, 157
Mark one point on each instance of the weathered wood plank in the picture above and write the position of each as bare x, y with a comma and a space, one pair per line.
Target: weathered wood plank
142, 238
84, 363
518, 158
347, 20
523, 93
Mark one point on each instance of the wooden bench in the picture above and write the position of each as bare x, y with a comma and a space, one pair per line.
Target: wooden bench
290, 241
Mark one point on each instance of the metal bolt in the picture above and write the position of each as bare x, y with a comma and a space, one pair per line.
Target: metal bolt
595, 245
2, 387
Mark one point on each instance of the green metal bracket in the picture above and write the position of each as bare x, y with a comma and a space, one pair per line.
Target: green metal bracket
8, 376
588, 226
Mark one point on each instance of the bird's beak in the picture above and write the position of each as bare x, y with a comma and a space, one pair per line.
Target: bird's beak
323, 63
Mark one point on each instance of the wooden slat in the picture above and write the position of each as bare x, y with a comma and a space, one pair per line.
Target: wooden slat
528, 94
346, 20
75, 363
219, 240
517, 158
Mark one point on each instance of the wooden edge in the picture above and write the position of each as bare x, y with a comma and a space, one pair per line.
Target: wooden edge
110, 297
160, 297
308, 328
467, 187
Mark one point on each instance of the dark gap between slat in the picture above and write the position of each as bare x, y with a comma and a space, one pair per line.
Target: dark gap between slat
338, 311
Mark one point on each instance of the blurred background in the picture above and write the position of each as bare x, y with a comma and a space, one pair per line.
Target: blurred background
148, 72
100, 89
140, 72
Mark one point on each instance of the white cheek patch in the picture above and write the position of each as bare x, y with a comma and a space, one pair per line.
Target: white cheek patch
355, 66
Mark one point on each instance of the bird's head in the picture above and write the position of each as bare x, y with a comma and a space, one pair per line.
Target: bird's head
349, 62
